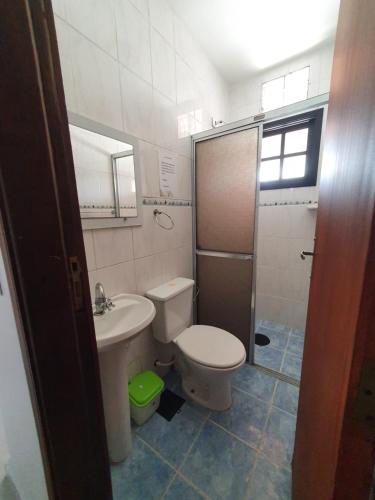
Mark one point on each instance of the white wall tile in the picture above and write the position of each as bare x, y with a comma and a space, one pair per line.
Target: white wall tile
163, 66
164, 118
133, 38
123, 86
96, 82
184, 43
149, 272
183, 178
59, 8
137, 105
283, 279
142, 6
149, 162
116, 279
162, 18
96, 20
112, 246
65, 38
88, 240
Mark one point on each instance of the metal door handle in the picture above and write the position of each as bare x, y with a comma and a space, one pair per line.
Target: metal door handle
304, 253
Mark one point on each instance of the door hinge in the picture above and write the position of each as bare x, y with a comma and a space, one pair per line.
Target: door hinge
365, 403
76, 280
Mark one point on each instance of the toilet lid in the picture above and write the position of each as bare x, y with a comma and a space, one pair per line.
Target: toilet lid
211, 346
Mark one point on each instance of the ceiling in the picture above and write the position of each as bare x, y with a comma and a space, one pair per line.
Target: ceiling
244, 37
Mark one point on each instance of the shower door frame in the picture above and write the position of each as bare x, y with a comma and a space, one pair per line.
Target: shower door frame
237, 126
211, 134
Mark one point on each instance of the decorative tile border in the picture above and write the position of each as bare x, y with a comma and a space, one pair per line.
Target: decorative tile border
283, 203
167, 202
104, 207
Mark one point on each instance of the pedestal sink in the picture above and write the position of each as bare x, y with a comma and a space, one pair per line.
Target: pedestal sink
113, 331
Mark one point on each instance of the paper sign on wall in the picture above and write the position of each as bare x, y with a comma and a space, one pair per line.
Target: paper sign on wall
167, 173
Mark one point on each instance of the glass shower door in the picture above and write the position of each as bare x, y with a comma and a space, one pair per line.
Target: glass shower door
226, 186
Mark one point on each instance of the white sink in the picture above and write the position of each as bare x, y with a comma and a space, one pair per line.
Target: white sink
131, 314
114, 331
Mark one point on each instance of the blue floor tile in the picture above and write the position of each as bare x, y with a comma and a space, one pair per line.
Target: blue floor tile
219, 465
297, 331
252, 380
172, 439
246, 418
295, 345
292, 366
142, 475
286, 397
278, 441
268, 356
180, 489
269, 482
278, 340
276, 327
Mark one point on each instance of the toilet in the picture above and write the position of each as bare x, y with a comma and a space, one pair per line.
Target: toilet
206, 356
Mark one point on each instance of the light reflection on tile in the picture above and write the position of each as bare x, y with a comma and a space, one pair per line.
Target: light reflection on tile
292, 366
246, 418
279, 437
268, 357
286, 397
270, 482
181, 489
254, 381
142, 475
172, 439
219, 464
295, 345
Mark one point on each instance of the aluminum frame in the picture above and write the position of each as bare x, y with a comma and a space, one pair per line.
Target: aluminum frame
210, 134
99, 128
114, 157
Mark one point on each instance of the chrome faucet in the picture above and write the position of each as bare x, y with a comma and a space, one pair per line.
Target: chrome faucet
102, 304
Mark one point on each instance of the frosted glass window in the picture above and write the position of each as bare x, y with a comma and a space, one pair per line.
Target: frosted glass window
286, 89
294, 166
296, 86
296, 141
269, 171
271, 146
273, 94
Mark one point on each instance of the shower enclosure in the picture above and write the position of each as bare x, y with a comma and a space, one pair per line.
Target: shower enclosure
240, 229
225, 186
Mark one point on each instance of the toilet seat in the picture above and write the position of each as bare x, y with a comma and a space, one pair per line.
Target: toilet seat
211, 346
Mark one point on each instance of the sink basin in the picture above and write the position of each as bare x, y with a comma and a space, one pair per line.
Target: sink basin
114, 331
131, 314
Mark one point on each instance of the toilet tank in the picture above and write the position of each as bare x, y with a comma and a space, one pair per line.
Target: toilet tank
174, 307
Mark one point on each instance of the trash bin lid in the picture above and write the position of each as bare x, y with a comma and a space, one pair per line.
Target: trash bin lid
144, 387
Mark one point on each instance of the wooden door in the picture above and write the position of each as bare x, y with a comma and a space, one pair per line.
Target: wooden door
334, 449
40, 214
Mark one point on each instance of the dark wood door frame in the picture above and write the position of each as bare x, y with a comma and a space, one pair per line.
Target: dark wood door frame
334, 450
39, 208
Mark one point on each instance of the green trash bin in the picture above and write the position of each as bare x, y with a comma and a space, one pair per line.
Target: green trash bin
144, 395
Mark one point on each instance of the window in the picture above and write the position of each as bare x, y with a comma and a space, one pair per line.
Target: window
286, 89
290, 151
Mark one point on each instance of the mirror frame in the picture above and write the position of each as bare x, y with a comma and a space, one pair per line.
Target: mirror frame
99, 128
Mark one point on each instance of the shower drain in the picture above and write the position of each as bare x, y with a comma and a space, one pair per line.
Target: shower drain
261, 339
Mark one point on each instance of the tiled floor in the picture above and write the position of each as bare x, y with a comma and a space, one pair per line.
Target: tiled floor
284, 352
241, 454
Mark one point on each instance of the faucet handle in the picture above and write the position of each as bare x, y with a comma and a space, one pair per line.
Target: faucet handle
109, 304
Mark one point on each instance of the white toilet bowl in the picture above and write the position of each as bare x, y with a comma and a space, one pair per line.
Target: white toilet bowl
207, 356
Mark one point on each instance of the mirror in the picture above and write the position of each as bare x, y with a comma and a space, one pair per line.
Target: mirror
107, 176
